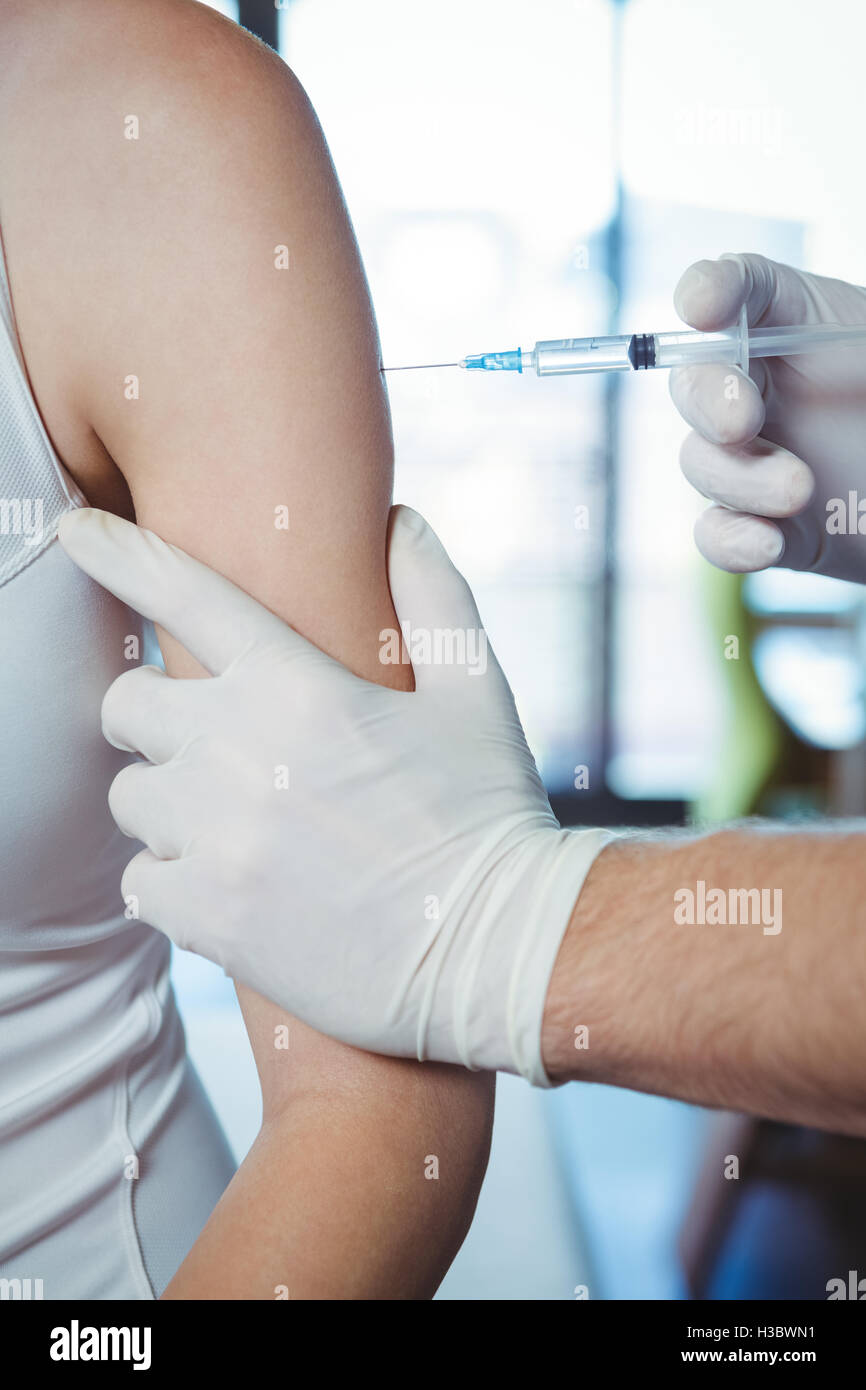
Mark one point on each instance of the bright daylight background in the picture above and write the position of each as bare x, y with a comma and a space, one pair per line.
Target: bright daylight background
516, 171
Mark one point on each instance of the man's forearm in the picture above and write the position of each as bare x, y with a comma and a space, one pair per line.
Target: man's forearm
675, 978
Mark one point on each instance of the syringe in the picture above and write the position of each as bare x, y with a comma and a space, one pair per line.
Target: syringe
642, 351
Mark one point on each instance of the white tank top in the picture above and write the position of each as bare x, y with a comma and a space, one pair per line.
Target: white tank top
111, 1158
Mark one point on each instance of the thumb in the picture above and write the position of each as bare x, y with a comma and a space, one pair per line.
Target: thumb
435, 607
710, 294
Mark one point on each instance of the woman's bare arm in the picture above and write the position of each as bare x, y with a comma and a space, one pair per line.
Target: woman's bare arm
197, 327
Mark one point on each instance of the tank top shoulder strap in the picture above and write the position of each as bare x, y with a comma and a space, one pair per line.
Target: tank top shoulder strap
35, 488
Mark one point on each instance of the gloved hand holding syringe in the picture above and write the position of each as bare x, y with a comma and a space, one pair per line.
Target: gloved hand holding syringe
777, 405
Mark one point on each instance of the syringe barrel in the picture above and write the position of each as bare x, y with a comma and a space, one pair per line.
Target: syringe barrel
566, 356
682, 349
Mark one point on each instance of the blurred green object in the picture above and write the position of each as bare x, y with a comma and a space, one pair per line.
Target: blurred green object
755, 740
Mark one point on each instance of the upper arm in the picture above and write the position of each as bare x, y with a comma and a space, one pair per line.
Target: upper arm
257, 368
220, 384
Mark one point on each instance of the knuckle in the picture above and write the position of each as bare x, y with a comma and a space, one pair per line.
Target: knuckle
121, 698
120, 793
205, 752
692, 453
800, 487
131, 885
238, 869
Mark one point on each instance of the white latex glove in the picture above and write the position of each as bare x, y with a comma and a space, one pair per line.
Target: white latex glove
790, 439
409, 890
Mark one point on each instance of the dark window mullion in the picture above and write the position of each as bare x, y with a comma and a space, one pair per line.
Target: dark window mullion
262, 18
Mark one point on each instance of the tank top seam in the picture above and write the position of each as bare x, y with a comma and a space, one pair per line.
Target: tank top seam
129, 1230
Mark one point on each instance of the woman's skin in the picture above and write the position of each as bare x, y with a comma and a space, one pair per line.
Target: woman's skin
182, 373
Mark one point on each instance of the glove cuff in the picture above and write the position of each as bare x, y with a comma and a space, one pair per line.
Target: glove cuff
559, 876
508, 943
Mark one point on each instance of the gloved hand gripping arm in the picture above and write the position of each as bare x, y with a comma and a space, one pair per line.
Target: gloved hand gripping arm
433, 929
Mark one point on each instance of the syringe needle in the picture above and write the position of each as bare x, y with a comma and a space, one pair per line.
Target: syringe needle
420, 366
